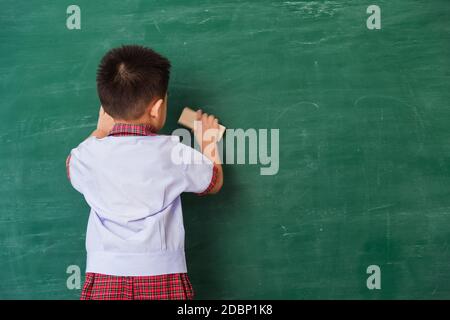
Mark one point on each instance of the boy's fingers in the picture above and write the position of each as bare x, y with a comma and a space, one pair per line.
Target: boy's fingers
199, 114
211, 118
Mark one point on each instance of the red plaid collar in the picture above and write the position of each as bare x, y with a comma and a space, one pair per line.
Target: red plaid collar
126, 129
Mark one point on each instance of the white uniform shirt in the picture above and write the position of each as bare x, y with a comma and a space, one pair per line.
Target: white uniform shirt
133, 185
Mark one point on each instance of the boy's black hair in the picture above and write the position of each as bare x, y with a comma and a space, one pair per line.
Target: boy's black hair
129, 78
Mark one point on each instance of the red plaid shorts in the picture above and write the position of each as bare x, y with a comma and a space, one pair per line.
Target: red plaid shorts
174, 286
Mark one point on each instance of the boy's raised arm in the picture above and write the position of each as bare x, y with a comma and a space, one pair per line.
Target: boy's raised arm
104, 125
206, 131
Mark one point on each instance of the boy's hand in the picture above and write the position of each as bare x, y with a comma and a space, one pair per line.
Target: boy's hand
104, 125
206, 131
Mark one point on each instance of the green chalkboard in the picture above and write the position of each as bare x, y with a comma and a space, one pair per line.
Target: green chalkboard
364, 120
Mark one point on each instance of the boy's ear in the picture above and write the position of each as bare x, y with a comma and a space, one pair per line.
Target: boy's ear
156, 108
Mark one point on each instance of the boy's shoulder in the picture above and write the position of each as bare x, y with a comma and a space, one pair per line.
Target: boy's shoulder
126, 139
157, 142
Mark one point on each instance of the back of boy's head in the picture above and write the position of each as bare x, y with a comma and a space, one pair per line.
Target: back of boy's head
129, 78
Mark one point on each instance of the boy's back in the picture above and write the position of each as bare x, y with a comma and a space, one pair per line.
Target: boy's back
133, 188
132, 179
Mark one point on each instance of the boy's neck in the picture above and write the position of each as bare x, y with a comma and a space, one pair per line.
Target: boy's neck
136, 123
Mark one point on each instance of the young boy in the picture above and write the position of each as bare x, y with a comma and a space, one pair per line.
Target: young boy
128, 176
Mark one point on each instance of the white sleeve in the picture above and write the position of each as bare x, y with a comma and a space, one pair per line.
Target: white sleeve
77, 171
198, 171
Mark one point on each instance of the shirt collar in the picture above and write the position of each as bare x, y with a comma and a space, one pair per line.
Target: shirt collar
127, 129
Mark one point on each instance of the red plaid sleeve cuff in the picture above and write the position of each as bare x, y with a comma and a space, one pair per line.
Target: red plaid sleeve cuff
67, 167
212, 183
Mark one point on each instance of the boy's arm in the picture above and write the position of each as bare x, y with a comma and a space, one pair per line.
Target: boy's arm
104, 125
219, 181
205, 131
